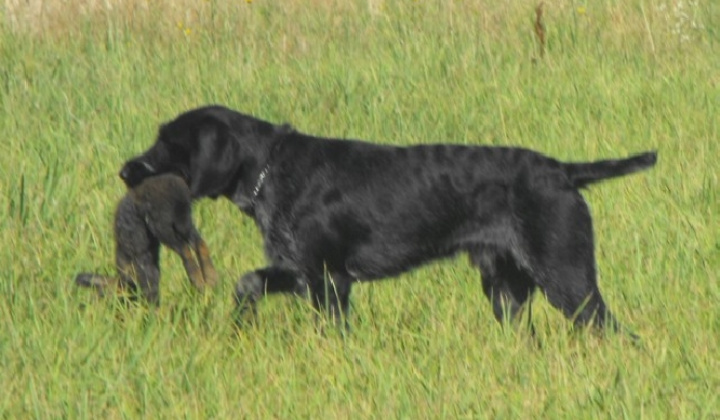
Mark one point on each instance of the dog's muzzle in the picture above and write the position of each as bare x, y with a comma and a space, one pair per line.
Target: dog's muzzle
135, 171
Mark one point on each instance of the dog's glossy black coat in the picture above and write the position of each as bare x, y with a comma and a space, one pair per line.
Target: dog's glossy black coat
348, 210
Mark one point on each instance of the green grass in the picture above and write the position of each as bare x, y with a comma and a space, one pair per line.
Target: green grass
82, 91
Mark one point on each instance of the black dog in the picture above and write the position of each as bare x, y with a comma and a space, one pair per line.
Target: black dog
335, 211
157, 210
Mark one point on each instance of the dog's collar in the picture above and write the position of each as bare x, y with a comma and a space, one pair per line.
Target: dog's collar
263, 174
259, 183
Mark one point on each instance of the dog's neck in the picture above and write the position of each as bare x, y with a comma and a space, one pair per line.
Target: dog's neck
247, 202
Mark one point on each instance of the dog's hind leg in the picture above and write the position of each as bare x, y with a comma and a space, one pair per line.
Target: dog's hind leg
507, 286
571, 287
569, 284
561, 237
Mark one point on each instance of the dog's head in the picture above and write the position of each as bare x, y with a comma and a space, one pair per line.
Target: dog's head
211, 148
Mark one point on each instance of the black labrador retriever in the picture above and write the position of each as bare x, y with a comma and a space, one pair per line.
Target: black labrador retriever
332, 211
156, 210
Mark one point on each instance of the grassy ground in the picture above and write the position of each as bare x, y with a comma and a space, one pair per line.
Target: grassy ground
84, 86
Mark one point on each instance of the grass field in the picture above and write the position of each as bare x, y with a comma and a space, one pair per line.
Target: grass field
85, 85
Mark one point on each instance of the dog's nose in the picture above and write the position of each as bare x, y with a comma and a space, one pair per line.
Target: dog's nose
124, 173
130, 173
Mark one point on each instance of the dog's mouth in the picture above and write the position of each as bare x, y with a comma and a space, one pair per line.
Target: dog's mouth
136, 171
182, 173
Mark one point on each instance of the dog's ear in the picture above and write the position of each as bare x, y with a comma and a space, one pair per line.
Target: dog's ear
214, 160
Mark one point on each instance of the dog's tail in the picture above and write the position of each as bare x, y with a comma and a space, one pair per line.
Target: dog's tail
584, 174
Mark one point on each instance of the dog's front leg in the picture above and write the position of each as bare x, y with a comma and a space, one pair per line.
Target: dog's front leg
332, 295
268, 280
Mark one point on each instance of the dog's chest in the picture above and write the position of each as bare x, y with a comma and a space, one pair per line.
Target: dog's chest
280, 243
